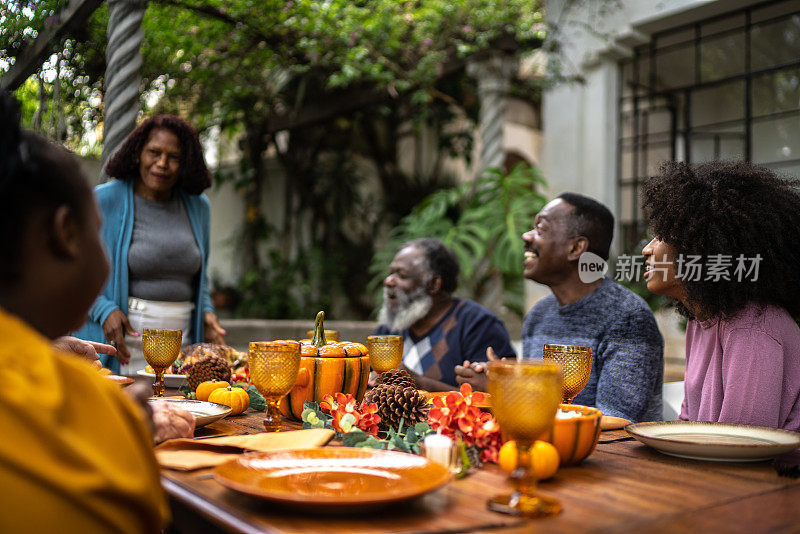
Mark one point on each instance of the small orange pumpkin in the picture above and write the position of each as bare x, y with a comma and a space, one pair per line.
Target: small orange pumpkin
236, 398
204, 389
327, 368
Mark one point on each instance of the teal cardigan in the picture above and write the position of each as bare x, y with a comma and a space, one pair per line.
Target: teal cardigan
115, 199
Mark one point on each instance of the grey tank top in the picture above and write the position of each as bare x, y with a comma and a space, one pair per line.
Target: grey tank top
163, 258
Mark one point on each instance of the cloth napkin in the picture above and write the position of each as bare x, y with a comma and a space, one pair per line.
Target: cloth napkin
191, 454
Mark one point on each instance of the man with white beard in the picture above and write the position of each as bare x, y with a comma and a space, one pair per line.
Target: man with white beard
439, 331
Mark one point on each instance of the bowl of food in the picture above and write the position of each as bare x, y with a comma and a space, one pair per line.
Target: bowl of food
574, 433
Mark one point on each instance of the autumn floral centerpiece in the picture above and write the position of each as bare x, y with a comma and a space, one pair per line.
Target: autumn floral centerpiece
456, 416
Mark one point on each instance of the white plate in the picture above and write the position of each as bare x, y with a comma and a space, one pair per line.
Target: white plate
719, 442
203, 412
171, 381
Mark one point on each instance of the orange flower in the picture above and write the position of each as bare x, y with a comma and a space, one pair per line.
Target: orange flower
458, 417
347, 414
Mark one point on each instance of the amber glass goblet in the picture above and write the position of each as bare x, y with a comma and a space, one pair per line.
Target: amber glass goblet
274, 366
385, 352
160, 348
576, 366
525, 397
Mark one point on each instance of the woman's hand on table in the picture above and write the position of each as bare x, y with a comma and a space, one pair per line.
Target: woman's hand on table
88, 350
214, 332
115, 327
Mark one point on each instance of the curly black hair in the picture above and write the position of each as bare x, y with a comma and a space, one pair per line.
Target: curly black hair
194, 176
441, 261
730, 208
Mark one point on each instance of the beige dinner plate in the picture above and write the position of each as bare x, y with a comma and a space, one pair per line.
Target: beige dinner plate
203, 412
333, 477
170, 380
719, 442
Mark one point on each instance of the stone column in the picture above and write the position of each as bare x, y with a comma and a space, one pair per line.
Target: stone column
493, 74
123, 76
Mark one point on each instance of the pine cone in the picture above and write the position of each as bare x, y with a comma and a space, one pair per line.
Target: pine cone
397, 377
396, 402
208, 368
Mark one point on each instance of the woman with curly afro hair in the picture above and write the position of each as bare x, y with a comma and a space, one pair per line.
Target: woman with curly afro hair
727, 249
156, 231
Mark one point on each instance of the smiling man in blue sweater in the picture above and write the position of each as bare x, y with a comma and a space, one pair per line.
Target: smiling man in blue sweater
628, 349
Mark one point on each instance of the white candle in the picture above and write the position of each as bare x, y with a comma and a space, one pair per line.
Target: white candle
442, 450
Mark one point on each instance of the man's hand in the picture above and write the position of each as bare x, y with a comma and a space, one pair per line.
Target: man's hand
88, 350
166, 420
171, 422
474, 374
214, 332
115, 327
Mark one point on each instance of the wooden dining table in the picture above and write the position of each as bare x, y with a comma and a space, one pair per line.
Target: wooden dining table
622, 486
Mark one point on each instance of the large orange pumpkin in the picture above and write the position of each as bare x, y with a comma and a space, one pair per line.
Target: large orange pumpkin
575, 438
326, 368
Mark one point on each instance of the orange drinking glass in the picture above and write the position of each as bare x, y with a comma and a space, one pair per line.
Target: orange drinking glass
576, 366
385, 352
274, 366
160, 348
525, 397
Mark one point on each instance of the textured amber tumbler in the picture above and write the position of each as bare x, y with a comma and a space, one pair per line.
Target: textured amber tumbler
576, 365
525, 398
160, 348
274, 366
385, 352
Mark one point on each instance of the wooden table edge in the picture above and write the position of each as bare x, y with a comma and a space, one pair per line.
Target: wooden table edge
221, 516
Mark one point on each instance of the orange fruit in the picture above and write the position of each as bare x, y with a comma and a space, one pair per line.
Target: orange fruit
544, 458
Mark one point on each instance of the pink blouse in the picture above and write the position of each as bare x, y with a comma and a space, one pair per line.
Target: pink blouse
744, 369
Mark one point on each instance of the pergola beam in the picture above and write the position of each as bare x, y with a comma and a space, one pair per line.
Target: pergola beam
30, 60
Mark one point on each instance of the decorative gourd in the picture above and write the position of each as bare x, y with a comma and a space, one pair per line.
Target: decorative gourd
326, 368
576, 437
236, 398
204, 389
544, 458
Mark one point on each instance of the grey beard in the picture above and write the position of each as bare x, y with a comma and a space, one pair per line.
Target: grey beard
410, 309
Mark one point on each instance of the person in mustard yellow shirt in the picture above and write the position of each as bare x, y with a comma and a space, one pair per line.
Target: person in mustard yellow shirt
76, 453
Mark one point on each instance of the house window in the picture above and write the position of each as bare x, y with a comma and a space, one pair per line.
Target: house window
723, 88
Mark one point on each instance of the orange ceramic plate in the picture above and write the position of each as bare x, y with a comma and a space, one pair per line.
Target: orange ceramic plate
332, 477
486, 404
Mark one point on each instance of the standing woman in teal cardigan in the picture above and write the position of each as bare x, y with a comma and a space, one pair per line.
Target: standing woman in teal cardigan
156, 226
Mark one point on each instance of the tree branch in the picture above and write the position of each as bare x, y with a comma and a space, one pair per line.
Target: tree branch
221, 15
